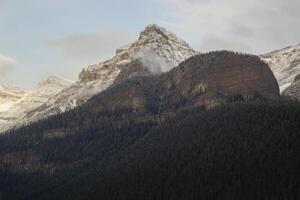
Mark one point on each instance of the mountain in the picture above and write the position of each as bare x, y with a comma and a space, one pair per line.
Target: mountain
21, 106
157, 50
214, 127
285, 63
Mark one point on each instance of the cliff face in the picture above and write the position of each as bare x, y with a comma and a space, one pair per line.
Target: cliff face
214, 78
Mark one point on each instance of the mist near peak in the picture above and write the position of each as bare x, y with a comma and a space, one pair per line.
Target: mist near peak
152, 61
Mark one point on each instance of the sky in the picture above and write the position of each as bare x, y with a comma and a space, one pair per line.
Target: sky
40, 38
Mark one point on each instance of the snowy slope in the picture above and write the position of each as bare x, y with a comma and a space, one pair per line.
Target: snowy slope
285, 64
24, 104
156, 46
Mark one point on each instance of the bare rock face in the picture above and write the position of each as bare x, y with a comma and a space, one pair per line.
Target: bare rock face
215, 78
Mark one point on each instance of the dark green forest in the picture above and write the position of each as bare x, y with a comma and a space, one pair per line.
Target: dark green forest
244, 150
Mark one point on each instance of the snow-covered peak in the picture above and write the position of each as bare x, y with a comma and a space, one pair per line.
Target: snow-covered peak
285, 64
154, 41
153, 31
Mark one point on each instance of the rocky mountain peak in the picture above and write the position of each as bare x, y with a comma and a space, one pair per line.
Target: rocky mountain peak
154, 31
156, 43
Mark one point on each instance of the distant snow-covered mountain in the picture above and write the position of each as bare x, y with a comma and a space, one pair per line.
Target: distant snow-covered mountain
18, 106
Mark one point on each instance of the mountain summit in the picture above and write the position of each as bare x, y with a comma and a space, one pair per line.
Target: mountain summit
157, 48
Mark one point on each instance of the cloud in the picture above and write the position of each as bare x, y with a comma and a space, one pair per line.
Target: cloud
152, 61
100, 44
256, 26
6, 65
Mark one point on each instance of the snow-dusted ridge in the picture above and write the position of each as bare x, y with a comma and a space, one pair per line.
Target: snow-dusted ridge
55, 95
19, 108
285, 64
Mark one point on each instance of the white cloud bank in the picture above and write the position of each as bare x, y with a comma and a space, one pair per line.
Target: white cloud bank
254, 26
152, 61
